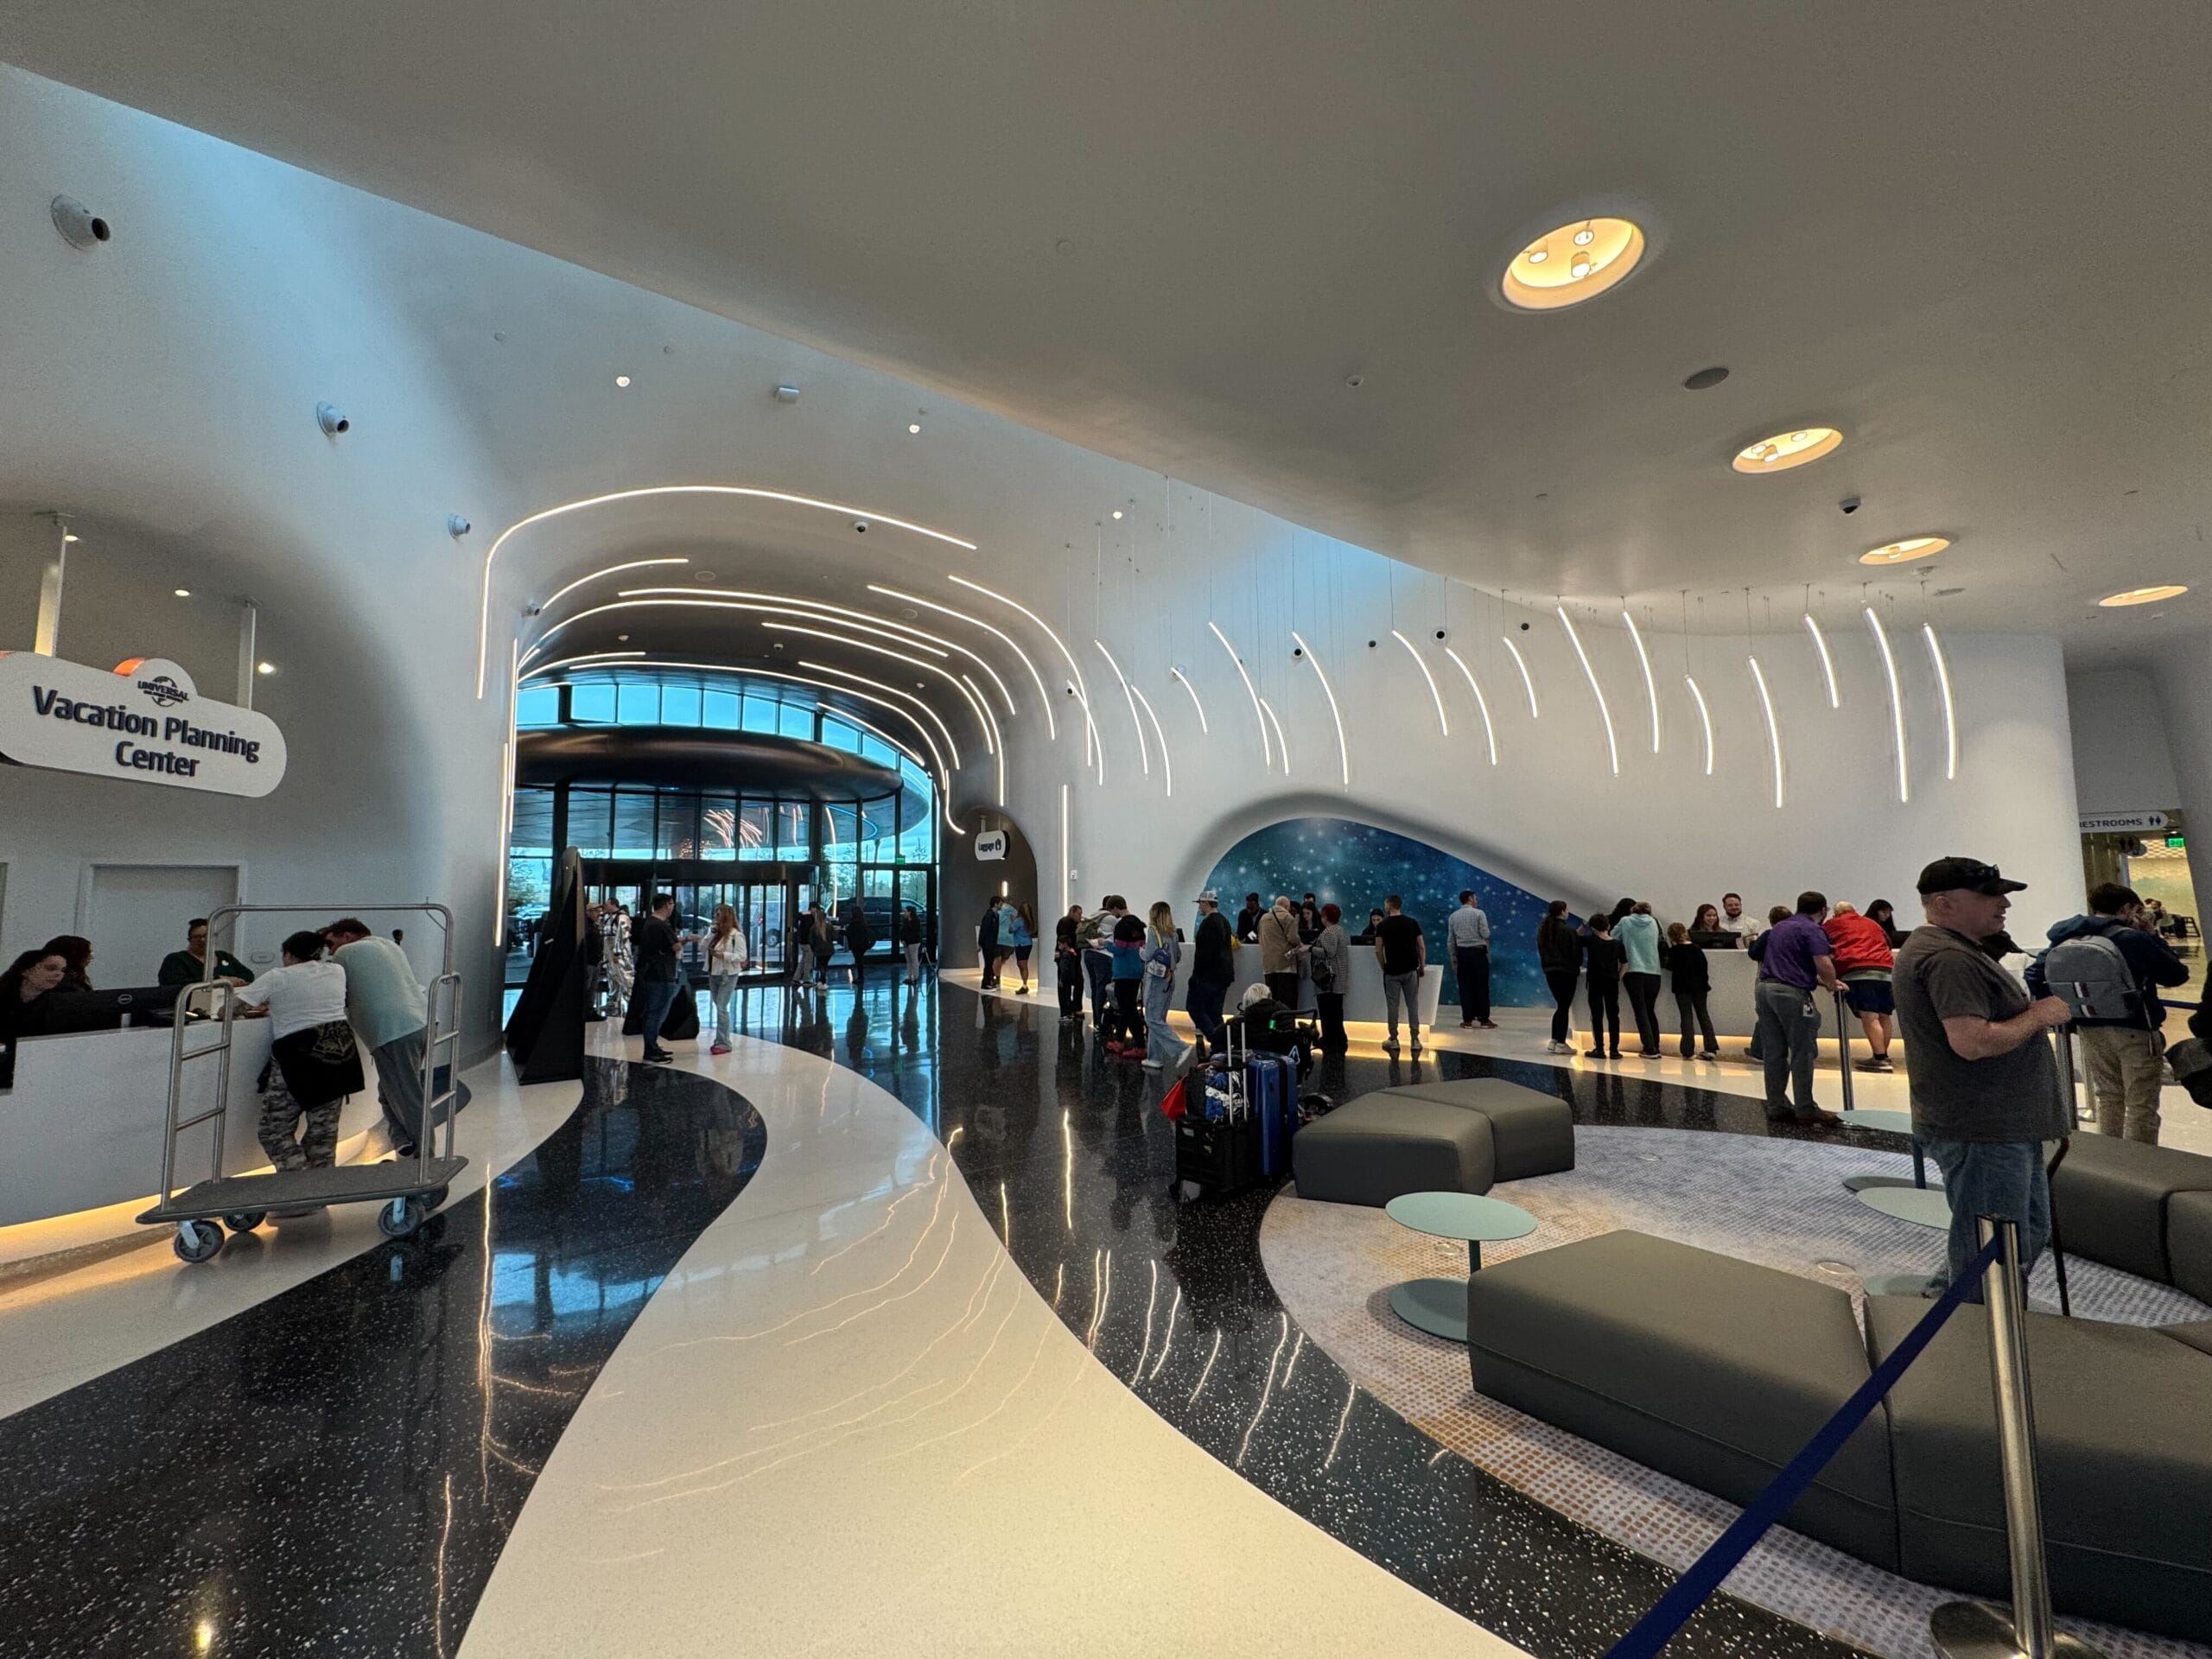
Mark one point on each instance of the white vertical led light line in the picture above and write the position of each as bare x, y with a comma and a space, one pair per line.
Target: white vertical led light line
1527, 680
1482, 703
1144, 749
1344, 749
1950, 714
1282, 743
1650, 685
1828, 663
507, 796
1065, 851
1443, 725
1194, 703
1773, 730
1606, 714
1897, 704
1704, 719
1267, 753
1167, 765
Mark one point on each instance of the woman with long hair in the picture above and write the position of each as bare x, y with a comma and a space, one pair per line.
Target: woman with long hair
76, 953
1162, 951
1707, 919
1559, 952
315, 1058
726, 959
1021, 939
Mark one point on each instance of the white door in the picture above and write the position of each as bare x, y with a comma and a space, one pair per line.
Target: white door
135, 915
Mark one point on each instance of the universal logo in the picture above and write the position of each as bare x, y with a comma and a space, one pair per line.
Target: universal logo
164, 690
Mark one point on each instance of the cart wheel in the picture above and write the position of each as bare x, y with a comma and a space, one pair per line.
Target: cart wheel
245, 1220
197, 1241
400, 1217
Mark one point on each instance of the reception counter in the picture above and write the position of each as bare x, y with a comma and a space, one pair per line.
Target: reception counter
1362, 997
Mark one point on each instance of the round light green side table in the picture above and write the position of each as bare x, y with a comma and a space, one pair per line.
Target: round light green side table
1440, 1305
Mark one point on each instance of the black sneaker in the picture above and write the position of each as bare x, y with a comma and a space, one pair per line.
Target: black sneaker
660, 1057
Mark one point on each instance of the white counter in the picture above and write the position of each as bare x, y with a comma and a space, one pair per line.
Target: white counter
1362, 997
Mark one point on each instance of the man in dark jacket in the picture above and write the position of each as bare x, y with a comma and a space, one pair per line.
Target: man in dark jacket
987, 945
860, 938
2124, 1055
1248, 919
1213, 970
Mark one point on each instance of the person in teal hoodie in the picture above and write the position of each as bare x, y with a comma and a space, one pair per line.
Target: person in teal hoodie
1638, 933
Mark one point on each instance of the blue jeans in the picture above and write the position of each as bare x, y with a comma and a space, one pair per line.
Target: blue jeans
1993, 1177
1204, 1005
658, 996
722, 988
1789, 1036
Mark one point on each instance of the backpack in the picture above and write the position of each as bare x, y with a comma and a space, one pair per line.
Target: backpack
2089, 972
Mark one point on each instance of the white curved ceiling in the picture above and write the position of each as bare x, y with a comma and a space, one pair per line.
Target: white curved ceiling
1976, 241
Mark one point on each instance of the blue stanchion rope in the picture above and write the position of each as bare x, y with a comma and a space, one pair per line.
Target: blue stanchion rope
1672, 1611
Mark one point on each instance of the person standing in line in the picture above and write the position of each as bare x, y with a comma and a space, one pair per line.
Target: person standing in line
1883, 915
1468, 935
387, 1008
1279, 951
1213, 970
1863, 962
1309, 921
1693, 979
656, 947
1755, 948
1637, 932
189, 965
1984, 1082
2123, 1051
1162, 951
825, 945
1097, 938
987, 945
1248, 919
1125, 1040
910, 941
860, 938
1797, 959
1603, 960
726, 959
1022, 934
1559, 953
314, 1058
1403, 953
1067, 962
1328, 960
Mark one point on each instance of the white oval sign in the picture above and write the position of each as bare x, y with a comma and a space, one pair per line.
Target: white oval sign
145, 722
990, 844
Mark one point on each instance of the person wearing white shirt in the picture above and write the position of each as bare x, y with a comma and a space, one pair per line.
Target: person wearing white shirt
726, 959
1467, 934
314, 1061
1734, 919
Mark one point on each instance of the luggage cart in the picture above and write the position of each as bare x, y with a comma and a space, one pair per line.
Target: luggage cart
410, 1189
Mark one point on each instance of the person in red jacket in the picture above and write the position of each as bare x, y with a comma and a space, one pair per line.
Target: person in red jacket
1863, 962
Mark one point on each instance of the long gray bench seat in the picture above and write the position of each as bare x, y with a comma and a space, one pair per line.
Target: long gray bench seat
1436, 1137
2113, 1200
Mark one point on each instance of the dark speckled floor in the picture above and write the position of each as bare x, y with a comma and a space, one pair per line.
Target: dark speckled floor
335, 1471
1069, 1150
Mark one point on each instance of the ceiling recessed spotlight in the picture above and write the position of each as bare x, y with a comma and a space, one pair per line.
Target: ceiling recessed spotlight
2144, 595
1916, 547
1705, 377
622, 638
184, 592
265, 668
913, 426
1787, 449
68, 536
1117, 512
621, 379
1604, 250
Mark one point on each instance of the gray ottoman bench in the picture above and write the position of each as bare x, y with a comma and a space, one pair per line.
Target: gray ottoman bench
1433, 1137
1707, 1369
2111, 1198
2188, 1242
1531, 1133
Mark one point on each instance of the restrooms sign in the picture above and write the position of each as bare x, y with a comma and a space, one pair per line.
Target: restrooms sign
146, 722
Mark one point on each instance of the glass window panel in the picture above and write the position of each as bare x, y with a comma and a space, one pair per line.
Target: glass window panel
718, 827
756, 831
838, 735
637, 703
589, 811
721, 710
537, 705
679, 705
532, 832
594, 703
633, 835
792, 829
875, 749
760, 712
796, 720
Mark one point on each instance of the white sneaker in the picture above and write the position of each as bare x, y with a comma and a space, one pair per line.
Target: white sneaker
1389, 1046
1151, 1066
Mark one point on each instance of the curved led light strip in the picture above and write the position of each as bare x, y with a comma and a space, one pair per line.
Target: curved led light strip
1344, 749
1282, 744
1828, 663
1612, 745
612, 569
951, 748
1194, 703
1095, 746
1527, 680
1167, 765
1650, 685
1266, 752
975, 703
996, 738
588, 657
882, 633
1052, 726
1144, 749
1773, 730
1897, 704
1950, 712
1482, 703
695, 598
1704, 719
483, 619
1435, 695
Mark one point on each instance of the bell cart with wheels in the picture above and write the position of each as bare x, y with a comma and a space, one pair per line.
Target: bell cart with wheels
410, 1189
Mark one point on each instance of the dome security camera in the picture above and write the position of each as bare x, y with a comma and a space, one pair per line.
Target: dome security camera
1849, 503
859, 526
1372, 644
79, 225
1439, 633
1298, 651
457, 526
333, 424
1524, 627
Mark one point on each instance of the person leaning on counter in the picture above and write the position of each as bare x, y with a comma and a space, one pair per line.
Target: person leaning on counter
189, 965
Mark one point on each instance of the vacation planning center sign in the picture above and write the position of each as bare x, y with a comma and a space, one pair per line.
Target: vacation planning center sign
145, 721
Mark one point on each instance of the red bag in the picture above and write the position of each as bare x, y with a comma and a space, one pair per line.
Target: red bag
1173, 1104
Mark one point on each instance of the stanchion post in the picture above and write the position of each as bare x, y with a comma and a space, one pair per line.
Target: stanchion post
2068, 1088
1843, 1047
1974, 1629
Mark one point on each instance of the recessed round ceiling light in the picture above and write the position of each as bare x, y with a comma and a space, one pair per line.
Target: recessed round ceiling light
621, 379
1904, 552
1787, 449
68, 536
265, 668
1117, 512
1705, 377
2144, 595
184, 592
1603, 251
913, 426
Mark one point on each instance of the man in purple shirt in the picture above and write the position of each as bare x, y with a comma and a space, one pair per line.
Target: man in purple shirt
1797, 957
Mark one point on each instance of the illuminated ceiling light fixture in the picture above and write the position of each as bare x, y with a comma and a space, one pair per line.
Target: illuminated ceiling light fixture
1094, 746
1612, 745
1481, 703
621, 379
1896, 703
1167, 765
1787, 449
506, 793
1650, 685
1202, 728
1144, 755
1117, 512
1267, 749
975, 703
913, 426
1344, 749
1773, 728
571, 662
1905, 552
1943, 686
1704, 718
265, 668
1828, 663
997, 738
1435, 694
1602, 251
184, 592
1527, 680
747, 492
951, 748
2144, 595
1052, 726
769, 623
1282, 744
610, 570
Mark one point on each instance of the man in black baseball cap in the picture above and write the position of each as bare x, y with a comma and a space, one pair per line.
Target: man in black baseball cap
1984, 1082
